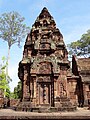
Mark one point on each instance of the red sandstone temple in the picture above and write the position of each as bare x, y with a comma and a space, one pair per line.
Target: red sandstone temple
47, 79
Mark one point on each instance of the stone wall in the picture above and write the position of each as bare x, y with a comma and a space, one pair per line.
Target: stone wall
14, 102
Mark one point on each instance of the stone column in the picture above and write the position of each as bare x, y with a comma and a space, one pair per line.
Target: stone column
85, 94
48, 94
52, 94
37, 95
44, 94
55, 88
34, 88
26, 93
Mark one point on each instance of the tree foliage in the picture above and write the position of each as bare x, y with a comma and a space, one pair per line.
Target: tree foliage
81, 47
18, 91
4, 83
12, 28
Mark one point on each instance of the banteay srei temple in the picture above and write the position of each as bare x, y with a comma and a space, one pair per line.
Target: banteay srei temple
48, 81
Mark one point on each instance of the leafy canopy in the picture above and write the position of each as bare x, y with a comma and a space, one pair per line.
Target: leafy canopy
81, 47
12, 28
4, 84
18, 91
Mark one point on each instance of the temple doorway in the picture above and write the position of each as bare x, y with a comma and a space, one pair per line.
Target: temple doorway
45, 93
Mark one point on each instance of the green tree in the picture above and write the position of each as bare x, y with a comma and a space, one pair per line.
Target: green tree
81, 47
4, 83
18, 91
12, 30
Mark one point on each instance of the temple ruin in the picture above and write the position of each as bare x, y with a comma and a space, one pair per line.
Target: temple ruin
47, 79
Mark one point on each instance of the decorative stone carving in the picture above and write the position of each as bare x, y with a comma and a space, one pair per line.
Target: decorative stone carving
44, 65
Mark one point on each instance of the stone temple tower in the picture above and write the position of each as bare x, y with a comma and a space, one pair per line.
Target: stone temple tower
43, 68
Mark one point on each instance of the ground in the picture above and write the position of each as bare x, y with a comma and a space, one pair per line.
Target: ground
81, 113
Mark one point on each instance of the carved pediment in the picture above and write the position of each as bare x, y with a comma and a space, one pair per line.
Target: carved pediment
44, 68
42, 62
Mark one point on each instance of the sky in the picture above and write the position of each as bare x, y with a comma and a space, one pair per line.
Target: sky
72, 17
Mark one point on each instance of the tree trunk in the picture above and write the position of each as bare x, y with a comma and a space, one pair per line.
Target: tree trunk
8, 56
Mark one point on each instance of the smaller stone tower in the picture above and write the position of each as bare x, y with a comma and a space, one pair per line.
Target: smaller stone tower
43, 69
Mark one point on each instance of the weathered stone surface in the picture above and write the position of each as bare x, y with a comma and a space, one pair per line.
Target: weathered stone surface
81, 68
45, 69
14, 102
9, 114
